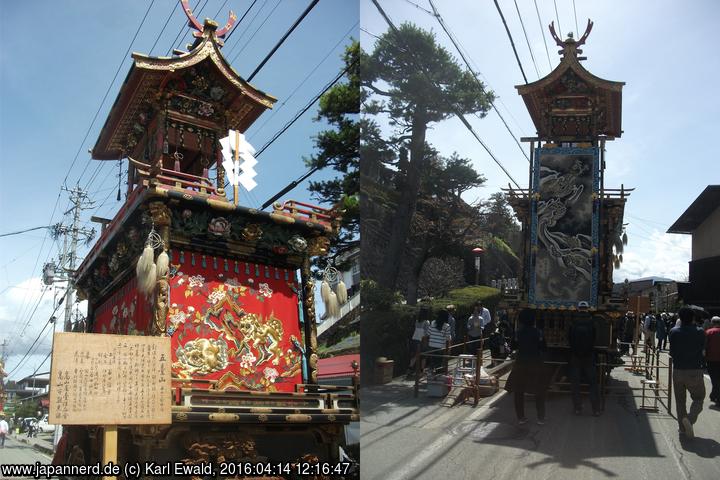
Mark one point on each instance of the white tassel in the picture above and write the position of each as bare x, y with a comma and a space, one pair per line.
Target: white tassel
145, 261
332, 306
146, 283
342, 293
163, 265
145, 270
325, 292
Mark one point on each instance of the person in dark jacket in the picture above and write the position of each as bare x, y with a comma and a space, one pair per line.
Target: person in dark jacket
687, 342
528, 373
581, 338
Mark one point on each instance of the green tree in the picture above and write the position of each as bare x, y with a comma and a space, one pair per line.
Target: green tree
338, 149
418, 82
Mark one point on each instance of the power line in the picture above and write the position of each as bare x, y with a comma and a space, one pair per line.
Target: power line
457, 47
247, 28
107, 92
305, 109
25, 231
291, 94
452, 107
511, 40
182, 29
522, 24
301, 112
220, 9
267, 17
557, 17
227, 37
34, 342
547, 52
172, 11
577, 31
282, 40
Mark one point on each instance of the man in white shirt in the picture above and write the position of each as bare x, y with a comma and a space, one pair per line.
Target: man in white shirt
4, 428
476, 324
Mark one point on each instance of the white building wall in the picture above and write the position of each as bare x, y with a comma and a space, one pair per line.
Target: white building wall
706, 238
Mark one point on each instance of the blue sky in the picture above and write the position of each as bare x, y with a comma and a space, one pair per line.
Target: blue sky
665, 51
56, 62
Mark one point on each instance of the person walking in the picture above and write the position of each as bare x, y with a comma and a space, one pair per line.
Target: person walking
475, 325
581, 338
686, 349
649, 328
451, 320
629, 333
421, 324
4, 429
528, 373
712, 357
661, 332
438, 336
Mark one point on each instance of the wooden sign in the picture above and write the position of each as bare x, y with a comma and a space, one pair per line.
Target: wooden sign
110, 380
639, 304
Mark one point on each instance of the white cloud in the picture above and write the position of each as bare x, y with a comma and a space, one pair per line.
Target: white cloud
21, 324
654, 254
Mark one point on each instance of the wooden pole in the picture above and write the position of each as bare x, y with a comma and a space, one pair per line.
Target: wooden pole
237, 154
110, 445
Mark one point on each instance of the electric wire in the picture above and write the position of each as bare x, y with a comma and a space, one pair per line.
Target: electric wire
220, 9
460, 116
107, 92
185, 32
419, 7
467, 63
557, 17
182, 30
282, 40
307, 77
172, 12
512, 43
246, 29
25, 231
237, 24
267, 17
577, 31
522, 24
542, 33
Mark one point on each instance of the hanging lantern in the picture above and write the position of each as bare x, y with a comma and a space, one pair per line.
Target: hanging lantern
624, 238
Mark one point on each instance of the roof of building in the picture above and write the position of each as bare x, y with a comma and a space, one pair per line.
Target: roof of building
199, 79
704, 205
570, 102
340, 366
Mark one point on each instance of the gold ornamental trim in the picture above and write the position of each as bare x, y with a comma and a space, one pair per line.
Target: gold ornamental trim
298, 418
224, 417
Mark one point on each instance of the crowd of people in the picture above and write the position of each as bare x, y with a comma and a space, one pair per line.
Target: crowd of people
432, 335
693, 343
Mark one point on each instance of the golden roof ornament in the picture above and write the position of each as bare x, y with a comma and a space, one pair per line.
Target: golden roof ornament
209, 25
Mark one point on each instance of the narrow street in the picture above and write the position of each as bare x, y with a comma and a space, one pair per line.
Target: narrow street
16, 452
417, 438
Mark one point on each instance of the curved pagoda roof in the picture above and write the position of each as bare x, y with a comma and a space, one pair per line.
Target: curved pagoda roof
204, 78
571, 103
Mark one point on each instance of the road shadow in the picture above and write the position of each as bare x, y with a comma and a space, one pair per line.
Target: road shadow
570, 441
702, 447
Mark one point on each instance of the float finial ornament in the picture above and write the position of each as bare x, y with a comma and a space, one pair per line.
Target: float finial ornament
194, 23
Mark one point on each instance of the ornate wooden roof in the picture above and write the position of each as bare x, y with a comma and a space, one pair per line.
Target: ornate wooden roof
570, 103
200, 84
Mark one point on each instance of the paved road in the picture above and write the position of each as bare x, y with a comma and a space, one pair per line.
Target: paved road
16, 452
407, 438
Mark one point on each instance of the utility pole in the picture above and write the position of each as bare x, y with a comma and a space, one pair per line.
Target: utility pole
68, 258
